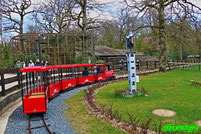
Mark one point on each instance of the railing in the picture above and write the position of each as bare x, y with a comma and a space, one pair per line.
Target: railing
119, 68
140, 65
5, 80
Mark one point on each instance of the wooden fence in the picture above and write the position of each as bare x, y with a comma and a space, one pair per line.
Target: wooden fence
5, 81
140, 65
119, 68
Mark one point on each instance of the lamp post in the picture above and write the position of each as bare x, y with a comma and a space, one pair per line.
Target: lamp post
39, 49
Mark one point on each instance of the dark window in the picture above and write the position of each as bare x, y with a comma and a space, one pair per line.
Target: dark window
132, 61
133, 83
132, 67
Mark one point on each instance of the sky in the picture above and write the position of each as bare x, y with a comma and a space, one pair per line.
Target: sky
108, 14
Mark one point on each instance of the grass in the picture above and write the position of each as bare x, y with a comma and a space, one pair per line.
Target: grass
171, 90
84, 123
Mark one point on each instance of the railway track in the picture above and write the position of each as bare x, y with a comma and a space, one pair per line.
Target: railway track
42, 118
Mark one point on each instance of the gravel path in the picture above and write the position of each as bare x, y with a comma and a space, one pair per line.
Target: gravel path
55, 117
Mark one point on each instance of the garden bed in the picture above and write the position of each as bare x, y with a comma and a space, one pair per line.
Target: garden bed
171, 90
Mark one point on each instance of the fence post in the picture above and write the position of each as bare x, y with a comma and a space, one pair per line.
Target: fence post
2, 83
147, 64
155, 64
138, 65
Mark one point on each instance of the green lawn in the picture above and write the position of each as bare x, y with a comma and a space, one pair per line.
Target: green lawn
83, 122
171, 90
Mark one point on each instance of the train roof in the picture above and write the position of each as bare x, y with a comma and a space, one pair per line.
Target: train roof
66, 66
33, 69
43, 68
99, 64
83, 65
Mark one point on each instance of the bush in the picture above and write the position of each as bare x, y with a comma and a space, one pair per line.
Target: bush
93, 59
33, 57
80, 59
100, 61
45, 57
7, 60
143, 90
118, 92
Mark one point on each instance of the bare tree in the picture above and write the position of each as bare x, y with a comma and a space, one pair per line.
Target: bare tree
81, 12
197, 35
14, 12
124, 24
55, 15
179, 22
163, 8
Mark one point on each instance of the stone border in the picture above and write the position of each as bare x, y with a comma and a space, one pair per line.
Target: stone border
5, 116
7, 101
8, 105
198, 123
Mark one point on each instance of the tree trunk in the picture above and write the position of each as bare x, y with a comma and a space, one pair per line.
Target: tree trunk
162, 44
21, 30
84, 24
21, 24
84, 21
180, 46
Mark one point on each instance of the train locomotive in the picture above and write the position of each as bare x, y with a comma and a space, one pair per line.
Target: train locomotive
41, 83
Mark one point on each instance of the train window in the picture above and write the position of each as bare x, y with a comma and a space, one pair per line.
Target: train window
108, 67
84, 71
100, 70
54, 76
32, 83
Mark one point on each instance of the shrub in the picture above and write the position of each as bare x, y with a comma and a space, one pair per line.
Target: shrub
118, 92
100, 61
143, 90
7, 60
32, 57
93, 59
80, 59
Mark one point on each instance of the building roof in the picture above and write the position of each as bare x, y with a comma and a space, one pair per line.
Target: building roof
193, 56
107, 51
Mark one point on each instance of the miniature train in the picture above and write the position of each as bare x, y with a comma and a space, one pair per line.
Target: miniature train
41, 83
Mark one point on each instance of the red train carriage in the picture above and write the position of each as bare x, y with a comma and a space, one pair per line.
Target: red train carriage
67, 76
100, 72
54, 80
42, 83
34, 89
84, 73
109, 73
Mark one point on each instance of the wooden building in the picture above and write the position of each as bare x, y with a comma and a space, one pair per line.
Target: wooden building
193, 58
